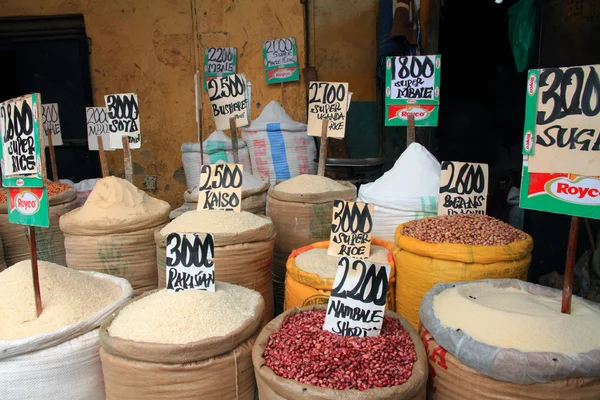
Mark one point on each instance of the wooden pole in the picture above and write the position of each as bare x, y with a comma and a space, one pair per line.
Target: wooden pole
410, 130
571, 252
52, 156
234, 139
199, 115
282, 95
323, 148
34, 271
127, 159
103, 164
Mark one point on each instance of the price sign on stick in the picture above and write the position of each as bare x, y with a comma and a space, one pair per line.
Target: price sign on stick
97, 125
220, 187
463, 188
51, 122
219, 61
281, 60
351, 228
123, 120
228, 99
328, 100
190, 262
356, 305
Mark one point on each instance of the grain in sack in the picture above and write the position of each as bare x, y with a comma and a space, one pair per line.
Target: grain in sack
113, 233
294, 358
243, 248
506, 338
49, 241
301, 209
189, 344
310, 273
55, 355
454, 248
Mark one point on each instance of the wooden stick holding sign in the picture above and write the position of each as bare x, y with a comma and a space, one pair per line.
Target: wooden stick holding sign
463, 188
52, 156
34, 271
351, 227
570, 267
127, 159
199, 116
102, 154
234, 140
323, 148
410, 130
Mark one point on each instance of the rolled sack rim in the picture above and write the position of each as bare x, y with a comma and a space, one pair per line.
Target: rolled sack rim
112, 226
188, 197
348, 194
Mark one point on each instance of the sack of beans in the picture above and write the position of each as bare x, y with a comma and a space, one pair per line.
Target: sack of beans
294, 358
243, 248
191, 344
254, 197
55, 355
310, 272
507, 339
455, 248
217, 147
49, 241
113, 233
301, 209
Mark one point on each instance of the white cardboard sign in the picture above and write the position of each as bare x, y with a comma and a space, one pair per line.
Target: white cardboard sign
463, 188
328, 100
190, 262
351, 227
51, 121
123, 119
97, 125
220, 187
228, 99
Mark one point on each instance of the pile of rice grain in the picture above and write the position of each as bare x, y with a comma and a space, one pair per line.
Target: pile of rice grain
67, 295
317, 261
215, 221
187, 316
309, 184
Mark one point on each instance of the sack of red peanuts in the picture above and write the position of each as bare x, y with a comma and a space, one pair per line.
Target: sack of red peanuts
294, 358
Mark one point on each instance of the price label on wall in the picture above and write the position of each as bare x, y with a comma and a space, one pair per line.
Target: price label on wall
219, 61
51, 122
356, 306
220, 187
190, 262
281, 60
327, 100
463, 188
123, 119
351, 228
228, 99
97, 125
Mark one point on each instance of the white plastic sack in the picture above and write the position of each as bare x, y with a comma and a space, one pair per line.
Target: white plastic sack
406, 192
280, 147
507, 364
84, 188
217, 147
60, 364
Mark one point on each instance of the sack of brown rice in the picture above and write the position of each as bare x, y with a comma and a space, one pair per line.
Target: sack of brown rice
113, 233
55, 355
191, 344
49, 241
301, 209
243, 248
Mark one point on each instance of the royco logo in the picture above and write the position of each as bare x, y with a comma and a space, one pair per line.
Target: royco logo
584, 191
20, 182
528, 141
27, 203
419, 113
283, 73
531, 85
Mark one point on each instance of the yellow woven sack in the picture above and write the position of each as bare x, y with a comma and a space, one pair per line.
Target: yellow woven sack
421, 265
304, 289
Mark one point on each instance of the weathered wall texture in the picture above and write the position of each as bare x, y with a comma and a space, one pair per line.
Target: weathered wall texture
154, 47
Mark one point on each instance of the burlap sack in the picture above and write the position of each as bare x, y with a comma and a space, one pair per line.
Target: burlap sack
49, 241
273, 387
214, 368
299, 220
243, 259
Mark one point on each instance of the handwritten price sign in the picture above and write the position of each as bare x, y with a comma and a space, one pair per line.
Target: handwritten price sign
281, 60
351, 228
220, 187
463, 188
219, 61
228, 99
327, 100
190, 262
123, 119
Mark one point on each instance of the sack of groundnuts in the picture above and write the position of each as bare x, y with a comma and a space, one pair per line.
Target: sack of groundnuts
455, 248
294, 358
49, 241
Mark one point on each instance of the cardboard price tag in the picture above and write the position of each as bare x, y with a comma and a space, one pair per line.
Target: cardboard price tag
219, 61
220, 187
51, 121
281, 60
463, 188
356, 306
328, 100
228, 99
28, 206
123, 119
351, 228
190, 262
97, 125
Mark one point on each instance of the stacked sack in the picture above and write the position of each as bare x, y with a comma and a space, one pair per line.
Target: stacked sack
507, 339
279, 146
217, 147
406, 192
301, 209
55, 355
113, 233
49, 241
191, 344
